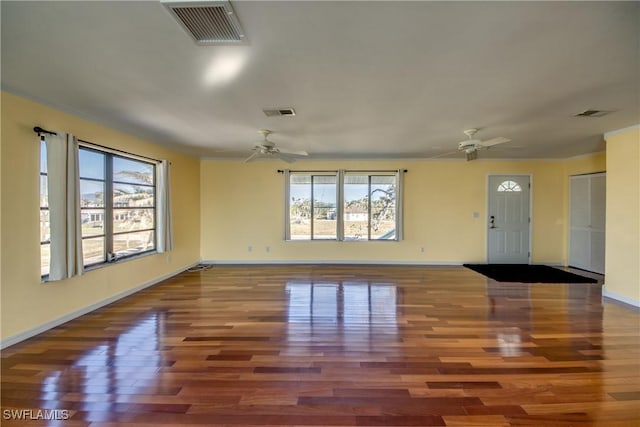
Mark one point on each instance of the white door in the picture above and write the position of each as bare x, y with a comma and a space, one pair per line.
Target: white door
587, 207
508, 219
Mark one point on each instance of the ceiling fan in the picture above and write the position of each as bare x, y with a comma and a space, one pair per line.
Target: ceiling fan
268, 149
471, 145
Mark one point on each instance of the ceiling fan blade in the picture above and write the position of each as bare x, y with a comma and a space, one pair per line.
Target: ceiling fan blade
284, 157
494, 141
252, 157
292, 152
443, 154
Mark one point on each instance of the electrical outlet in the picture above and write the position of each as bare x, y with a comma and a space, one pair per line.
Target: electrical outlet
268, 248
249, 248
422, 249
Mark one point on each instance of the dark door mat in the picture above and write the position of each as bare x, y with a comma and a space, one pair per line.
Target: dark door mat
527, 273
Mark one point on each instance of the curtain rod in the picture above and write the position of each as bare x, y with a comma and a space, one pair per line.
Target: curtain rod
40, 131
347, 170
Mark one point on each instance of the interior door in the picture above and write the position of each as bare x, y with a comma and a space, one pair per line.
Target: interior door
587, 207
508, 219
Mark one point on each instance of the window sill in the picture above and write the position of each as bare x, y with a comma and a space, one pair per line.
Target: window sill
342, 241
120, 260
45, 279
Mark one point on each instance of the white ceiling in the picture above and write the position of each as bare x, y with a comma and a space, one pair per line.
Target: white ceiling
367, 79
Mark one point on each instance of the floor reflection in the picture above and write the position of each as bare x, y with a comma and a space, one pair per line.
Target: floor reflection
520, 313
104, 377
348, 303
355, 311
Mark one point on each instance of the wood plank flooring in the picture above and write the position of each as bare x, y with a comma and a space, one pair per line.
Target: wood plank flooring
334, 346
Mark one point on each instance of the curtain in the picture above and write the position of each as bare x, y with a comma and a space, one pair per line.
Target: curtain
287, 199
64, 206
399, 205
164, 227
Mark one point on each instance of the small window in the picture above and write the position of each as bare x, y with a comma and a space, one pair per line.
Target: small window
312, 207
369, 207
509, 186
93, 184
133, 208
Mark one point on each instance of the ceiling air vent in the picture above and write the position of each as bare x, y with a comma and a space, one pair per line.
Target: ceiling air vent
592, 113
208, 22
279, 112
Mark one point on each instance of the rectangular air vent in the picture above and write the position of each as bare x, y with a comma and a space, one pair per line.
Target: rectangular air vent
592, 113
279, 112
208, 22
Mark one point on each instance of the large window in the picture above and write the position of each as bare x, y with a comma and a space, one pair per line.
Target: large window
117, 206
343, 205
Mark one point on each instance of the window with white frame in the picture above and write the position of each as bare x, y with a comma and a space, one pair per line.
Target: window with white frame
343, 205
312, 206
370, 206
117, 206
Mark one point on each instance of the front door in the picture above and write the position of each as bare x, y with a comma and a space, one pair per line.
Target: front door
508, 219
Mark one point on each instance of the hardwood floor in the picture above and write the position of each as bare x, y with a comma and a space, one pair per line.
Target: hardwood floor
334, 346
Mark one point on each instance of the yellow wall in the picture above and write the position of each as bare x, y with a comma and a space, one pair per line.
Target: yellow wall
622, 261
590, 163
26, 302
243, 205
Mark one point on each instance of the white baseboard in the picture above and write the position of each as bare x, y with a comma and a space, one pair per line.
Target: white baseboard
550, 264
325, 262
619, 298
64, 319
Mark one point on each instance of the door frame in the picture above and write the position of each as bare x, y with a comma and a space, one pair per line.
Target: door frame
487, 207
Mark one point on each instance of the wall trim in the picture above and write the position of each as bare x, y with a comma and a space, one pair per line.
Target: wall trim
15, 339
623, 130
326, 262
586, 155
620, 298
549, 263
357, 262
405, 159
